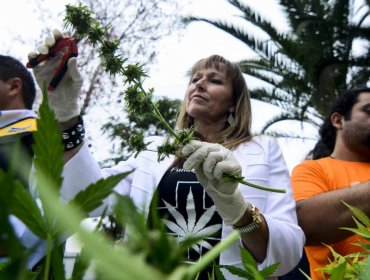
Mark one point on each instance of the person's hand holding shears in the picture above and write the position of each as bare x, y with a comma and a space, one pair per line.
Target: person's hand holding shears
56, 65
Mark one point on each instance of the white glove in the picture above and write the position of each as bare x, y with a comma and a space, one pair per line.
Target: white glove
64, 99
210, 162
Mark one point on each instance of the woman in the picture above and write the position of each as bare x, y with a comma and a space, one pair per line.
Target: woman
191, 193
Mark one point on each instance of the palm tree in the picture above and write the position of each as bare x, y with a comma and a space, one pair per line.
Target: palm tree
305, 68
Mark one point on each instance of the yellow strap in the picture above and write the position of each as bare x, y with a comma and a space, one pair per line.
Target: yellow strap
22, 126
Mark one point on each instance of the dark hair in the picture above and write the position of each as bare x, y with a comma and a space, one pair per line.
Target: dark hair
13, 68
342, 105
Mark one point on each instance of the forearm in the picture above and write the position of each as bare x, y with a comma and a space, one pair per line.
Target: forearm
322, 216
256, 241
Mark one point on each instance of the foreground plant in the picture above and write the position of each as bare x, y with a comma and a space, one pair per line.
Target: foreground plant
356, 265
138, 100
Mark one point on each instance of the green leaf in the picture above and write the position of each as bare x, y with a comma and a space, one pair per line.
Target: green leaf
254, 271
81, 265
268, 271
57, 265
25, 208
365, 272
339, 272
218, 273
92, 197
364, 232
247, 258
6, 193
115, 262
360, 215
237, 271
251, 268
305, 274
363, 245
48, 146
127, 214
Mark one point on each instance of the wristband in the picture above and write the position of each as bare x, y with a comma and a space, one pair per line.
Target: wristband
73, 136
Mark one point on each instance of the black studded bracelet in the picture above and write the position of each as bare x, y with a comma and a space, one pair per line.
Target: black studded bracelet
73, 136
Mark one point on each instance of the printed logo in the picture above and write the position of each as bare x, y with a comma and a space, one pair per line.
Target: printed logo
18, 129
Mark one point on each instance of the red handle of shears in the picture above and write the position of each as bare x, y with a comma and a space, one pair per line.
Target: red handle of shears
69, 47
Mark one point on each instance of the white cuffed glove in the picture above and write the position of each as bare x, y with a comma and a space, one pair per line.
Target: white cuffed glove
64, 99
210, 162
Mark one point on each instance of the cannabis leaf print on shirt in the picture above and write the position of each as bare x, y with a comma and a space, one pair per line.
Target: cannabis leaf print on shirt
192, 226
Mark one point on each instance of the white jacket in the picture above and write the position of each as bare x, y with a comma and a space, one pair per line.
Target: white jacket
262, 163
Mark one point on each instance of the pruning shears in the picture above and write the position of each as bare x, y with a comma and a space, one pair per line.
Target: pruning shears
66, 44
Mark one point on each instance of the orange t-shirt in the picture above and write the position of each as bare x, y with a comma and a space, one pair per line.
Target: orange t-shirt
313, 177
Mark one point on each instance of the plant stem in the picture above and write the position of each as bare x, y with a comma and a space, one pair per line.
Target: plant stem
212, 254
48, 257
158, 114
262, 187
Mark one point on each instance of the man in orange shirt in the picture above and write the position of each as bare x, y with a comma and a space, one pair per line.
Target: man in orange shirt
343, 175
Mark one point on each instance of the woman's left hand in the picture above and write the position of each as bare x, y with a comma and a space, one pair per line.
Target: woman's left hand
210, 162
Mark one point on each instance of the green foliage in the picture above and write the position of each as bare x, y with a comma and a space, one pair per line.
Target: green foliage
150, 238
356, 265
26, 209
81, 265
250, 270
80, 18
9, 243
92, 197
58, 219
63, 218
131, 134
85, 26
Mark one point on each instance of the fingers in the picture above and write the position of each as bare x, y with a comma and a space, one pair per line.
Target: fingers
191, 147
52, 39
32, 55
57, 34
210, 162
43, 49
213, 159
73, 70
196, 152
227, 166
220, 162
49, 41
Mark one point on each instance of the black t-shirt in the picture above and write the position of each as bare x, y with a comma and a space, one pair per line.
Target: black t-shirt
188, 211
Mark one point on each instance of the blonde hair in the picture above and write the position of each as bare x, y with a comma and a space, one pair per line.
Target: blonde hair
240, 130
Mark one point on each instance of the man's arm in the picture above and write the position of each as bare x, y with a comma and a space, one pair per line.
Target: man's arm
322, 216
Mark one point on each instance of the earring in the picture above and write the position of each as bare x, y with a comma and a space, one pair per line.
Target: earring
231, 119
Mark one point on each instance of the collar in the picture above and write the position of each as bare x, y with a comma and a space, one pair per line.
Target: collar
8, 117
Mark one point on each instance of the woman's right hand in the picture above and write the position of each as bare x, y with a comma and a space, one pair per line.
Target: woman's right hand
64, 99
210, 162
